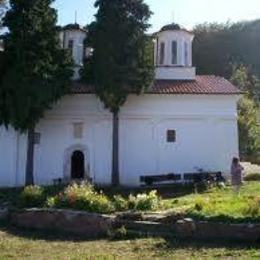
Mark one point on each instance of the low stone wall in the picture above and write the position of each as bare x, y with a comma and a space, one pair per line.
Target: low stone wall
94, 225
187, 228
77, 222
228, 231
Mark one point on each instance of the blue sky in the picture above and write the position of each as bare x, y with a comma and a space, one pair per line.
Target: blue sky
185, 12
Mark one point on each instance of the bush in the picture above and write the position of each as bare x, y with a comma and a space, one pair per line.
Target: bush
85, 197
253, 207
201, 203
120, 203
144, 202
252, 177
81, 197
32, 196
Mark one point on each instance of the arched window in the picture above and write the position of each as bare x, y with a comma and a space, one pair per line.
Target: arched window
71, 46
77, 165
174, 52
186, 53
162, 53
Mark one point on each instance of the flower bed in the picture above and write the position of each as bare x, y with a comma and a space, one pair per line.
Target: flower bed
85, 197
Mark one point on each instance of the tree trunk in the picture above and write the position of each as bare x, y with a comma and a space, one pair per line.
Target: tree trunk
115, 160
29, 178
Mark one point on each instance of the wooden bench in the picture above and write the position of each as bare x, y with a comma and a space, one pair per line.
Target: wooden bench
155, 179
204, 176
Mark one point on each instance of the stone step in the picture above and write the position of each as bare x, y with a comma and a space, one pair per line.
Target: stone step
146, 227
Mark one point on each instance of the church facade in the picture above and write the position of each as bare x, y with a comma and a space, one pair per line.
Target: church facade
183, 123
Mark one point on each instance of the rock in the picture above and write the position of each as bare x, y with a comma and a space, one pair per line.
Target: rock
133, 216
77, 222
173, 218
185, 228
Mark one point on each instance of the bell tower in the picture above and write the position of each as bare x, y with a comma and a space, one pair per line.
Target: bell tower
72, 37
173, 53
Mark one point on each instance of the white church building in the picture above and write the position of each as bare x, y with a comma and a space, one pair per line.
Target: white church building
183, 123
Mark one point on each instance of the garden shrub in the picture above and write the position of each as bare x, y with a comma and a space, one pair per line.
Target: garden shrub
144, 202
199, 203
120, 203
85, 197
252, 177
253, 207
32, 196
118, 234
81, 197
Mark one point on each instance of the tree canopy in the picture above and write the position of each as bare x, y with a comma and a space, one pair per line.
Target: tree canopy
218, 46
2, 10
122, 60
249, 129
35, 72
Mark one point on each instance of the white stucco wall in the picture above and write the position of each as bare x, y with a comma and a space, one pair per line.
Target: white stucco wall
12, 157
183, 69
175, 73
206, 129
180, 37
78, 37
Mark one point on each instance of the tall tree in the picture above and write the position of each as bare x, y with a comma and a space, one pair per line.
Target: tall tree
2, 10
122, 60
36, 72
243, 77
249, 129
218, 46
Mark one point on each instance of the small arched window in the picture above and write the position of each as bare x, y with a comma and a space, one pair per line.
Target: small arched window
174, 52
71, 46
162, 53
186, 53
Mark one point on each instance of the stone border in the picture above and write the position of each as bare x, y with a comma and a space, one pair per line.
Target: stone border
77, 222
93, 225
188, 228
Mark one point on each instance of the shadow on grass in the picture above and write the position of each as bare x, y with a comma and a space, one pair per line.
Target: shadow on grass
169, 243
226, 219
166, 191
177, 243
47, 235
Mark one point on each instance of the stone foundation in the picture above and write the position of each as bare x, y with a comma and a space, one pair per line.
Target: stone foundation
94, 225
77, 222
187, 228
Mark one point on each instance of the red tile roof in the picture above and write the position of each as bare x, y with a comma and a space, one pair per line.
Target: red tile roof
202, 85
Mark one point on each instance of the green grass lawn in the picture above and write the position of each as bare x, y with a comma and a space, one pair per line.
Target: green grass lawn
217, 204
17, 244
220, 204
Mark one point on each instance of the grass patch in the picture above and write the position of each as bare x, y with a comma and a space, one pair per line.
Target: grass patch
19, 244
220, 204
216, 204
252, 177
86, 198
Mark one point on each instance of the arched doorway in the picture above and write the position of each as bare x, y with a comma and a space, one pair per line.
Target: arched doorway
77, 165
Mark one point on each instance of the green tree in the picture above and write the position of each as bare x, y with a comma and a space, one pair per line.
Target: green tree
218, 46
2, 11
122, 60
246, 81
249, 128
36, 71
